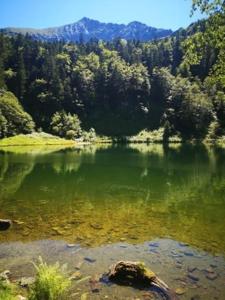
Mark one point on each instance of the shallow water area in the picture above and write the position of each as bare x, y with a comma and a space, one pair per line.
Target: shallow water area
162, 206
186, 270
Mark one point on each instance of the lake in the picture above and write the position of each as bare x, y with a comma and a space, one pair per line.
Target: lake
93, 206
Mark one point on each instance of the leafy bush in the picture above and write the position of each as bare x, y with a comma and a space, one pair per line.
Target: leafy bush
13, 119
51, 282
66, 125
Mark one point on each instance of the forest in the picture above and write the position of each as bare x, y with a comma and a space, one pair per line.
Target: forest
118, 88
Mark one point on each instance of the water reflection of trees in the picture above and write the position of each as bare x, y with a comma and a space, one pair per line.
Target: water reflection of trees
164, 188
141, 170
12, 175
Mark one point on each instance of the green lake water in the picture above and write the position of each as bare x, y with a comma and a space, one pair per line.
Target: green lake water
164, 206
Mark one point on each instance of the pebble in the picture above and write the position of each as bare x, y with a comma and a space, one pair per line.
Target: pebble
209, 270
178, 266
188, 253
96, 226
191, 269
79, 265
154, 244
211, 276
123, 239
180, 291
89, 259
94, 283
76, 276
181, 244
176, 254
57, 230
193, 277
153, 251
71, 245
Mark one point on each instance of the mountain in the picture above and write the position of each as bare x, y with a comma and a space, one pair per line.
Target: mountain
87, 29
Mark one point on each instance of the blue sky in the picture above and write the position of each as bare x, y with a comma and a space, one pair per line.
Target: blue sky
49, 13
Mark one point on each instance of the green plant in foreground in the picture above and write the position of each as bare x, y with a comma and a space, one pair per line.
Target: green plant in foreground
6, 291
51, 282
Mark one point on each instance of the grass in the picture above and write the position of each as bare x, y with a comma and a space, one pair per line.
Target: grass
51, 282
7, 291
34, 139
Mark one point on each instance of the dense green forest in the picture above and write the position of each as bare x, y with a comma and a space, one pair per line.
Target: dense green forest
118, 88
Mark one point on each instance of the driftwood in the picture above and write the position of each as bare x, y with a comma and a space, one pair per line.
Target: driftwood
137, 275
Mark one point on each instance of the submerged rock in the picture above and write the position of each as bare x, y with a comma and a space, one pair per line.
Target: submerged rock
212, 276
154, 244
137, 275
97, 226
180, 291
94, 284
76, 276
5, 224
193, 277
191, 269
71, 245
4, 276
26, 281
90, 259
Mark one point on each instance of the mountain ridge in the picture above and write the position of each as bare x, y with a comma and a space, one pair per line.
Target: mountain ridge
87, 29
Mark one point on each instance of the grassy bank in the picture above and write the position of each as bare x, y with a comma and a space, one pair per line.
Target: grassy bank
143, 137
35, 139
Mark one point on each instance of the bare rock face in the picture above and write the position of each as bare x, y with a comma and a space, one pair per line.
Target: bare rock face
5, 224
136, 274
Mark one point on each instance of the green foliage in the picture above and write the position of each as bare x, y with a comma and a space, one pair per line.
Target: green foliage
89, 136
122, 87
6, 291
51, 282
13, 119
207, 48
208, 6
66, 125
189, 110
